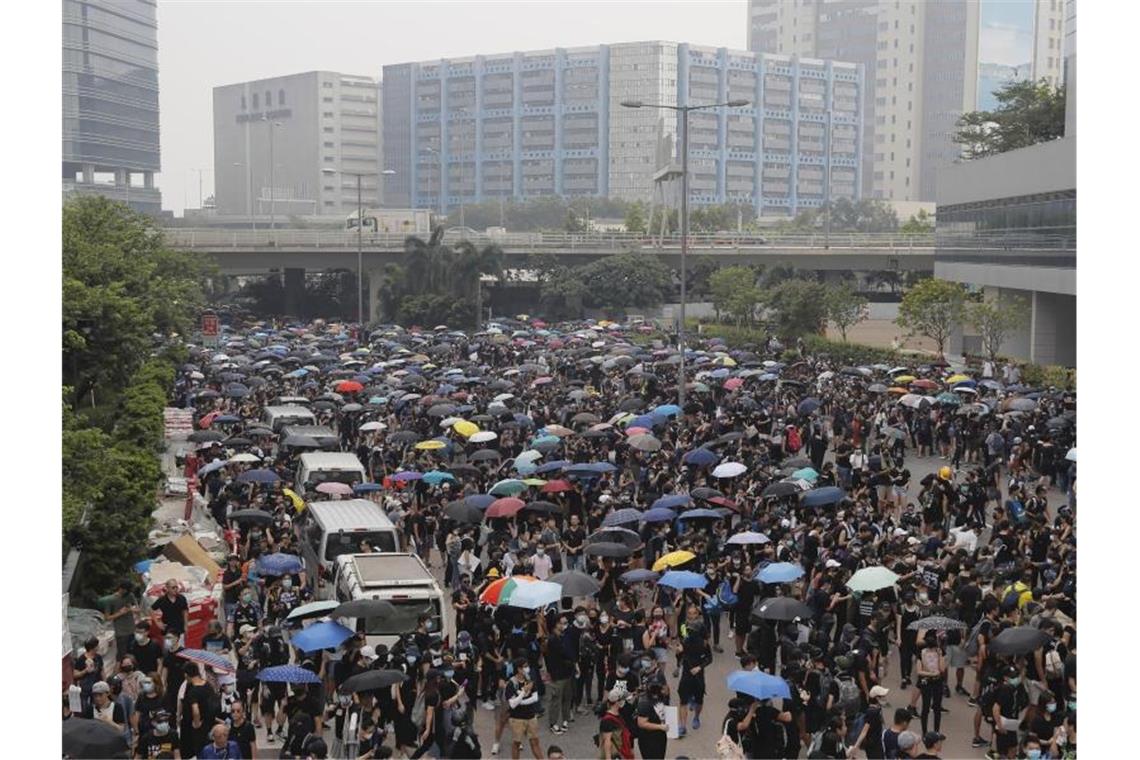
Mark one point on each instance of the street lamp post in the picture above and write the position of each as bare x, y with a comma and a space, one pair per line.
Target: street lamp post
827, 184
249, 196
439, 180
272, 176
684, 111
360, 239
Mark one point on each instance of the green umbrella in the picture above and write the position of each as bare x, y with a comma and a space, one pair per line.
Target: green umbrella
948, 398
508, 487
872, 579
806, 473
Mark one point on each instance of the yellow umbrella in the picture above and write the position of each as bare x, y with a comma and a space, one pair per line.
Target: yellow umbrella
672, 559
725, 361
465, 428
904, 379
956, 378
430, 445
298, 502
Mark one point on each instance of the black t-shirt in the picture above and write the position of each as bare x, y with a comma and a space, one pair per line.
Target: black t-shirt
228, 577
769, 732
150, 745
522, 711
969, 596
647, 708
873, 744
574, 538
146, 655
244, 735
610, 723
207, 701
172, 612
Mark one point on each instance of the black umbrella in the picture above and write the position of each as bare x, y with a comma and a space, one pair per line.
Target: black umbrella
544, 507
485, 455
84, 737
372, 680
576, 583
781, 608
463, 512
703, 492
937, 623
620, 536
1021, 639
781, 488
609, 550
237, 442
735, 435
202, 436
798, 462
631, 405
463, 469
365, 608
251, 515
403, 437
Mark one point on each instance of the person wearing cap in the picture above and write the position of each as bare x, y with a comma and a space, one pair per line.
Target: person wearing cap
160, 739
909, 744
103, 707
614, 736
932, 742
870, 736
222, 747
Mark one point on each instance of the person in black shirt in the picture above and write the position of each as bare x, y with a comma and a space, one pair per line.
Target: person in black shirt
232, 582
146, 651
651, 729
573, 540
173, 609
241, 730
161, 739
199, 707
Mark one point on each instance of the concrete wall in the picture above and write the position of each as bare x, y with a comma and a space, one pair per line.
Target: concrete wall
1043, 168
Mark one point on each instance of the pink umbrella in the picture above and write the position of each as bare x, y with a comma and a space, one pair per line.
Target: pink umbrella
637, 431
542, 380
733, 383
334, 488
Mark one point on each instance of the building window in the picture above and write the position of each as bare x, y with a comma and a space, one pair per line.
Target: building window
255, 101
268, 99
280, 97
328, 130
326, 100
327, 85
243, 102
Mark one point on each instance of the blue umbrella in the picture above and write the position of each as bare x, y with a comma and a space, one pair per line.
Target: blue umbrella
591, 468
258, 476
546, 467
638, 576
217, 464
326, 634
649, 421
672, 500
658, 514
367, 487
287, 674
667, 410
701, 457
820, 497
682, 579
758, 684
480, 500
225, 419
698, 513
435, 477
779, 572
808, 405
621, 516
279, 564
523, 420
407, 475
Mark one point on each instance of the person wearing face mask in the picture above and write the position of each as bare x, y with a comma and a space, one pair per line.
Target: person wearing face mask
247, 611
588, 657
560, 665
148, 702
541, 564
147, 652
161, 740
172, 671
522, 700
1006, 711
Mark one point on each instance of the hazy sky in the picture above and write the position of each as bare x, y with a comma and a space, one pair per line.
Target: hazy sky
203, 44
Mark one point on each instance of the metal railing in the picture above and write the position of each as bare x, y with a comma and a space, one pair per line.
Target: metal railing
609, 241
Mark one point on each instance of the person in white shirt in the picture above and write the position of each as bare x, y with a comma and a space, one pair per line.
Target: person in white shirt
542, 564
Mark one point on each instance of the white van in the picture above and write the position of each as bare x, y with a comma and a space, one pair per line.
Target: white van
318, 467
322, 434
328, 529
401, 579
277, 417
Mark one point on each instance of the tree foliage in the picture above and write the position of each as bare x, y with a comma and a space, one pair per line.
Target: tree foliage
735, 293
121, 286
865, 215
845, 308
797, 308
621, 282
995, 320
933, 308
439, 283
918, 224
1027, 113
635, 218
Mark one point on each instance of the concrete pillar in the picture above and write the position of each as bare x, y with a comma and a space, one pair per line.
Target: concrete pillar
88, 174
294, 291
148, 180
372, 279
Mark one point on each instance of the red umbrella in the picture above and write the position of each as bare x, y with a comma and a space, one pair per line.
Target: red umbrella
721, 501
733, 383
508, 506
348, 386
556, 486
927, 385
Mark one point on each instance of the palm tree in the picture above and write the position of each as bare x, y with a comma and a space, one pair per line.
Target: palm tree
388, 289
470, 266
429, 264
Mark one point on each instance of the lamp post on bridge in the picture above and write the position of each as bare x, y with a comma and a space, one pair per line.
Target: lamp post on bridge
360, 235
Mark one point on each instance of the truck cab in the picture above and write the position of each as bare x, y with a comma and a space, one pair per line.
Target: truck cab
401, 579
328, 529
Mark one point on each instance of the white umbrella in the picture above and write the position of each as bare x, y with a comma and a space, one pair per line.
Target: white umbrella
749, 537
913, 400
447, 422
872, 579
729, 470
1072, 455
244, 457
528, 456
483, 436
504, 397
369, 427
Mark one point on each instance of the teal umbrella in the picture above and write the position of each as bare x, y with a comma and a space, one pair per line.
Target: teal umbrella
508, 487
807, 473
435, 477
948, 398
872, 579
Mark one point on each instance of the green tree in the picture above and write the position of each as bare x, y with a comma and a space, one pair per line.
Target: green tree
918, 224
797, 308
933, 308
121, 285
635, 218
471, 264
845, 308
626, 281
1027, 113
562, 292
995, 320
734, 293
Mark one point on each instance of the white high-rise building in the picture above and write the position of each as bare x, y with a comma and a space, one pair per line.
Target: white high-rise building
325, 131
926, 63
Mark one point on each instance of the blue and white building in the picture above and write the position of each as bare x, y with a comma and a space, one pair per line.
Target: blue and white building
550, 123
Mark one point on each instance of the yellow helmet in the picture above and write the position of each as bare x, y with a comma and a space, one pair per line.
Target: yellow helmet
944, 472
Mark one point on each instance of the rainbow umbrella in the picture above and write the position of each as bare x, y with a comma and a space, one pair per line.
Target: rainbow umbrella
495, 592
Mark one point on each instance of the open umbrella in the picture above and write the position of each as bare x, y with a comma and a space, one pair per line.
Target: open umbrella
872, 579
576, 583
371, 680
334, 488
623, 536
673, 559
729, 470
364, 608
779, 489
211, 659
819, 497
640, 575
312, 609
701, 457
608, 549
326, 634
682, 579
508, 487
461, 511
505, 507
1021, 639
543, 507
287, 674
279, 564
779, 572
748, 537
251, 516
258, 476
645, 442
699, 514
937, 623
622, 517
758, 684
658, 514
88, 738
781, 608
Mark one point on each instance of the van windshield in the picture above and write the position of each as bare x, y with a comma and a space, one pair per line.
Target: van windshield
349, 542
348, 477
407, 615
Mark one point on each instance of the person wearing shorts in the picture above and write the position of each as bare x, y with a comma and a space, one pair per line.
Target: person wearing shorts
522, 699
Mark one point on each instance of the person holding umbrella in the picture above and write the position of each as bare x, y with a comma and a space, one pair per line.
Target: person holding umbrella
931, 673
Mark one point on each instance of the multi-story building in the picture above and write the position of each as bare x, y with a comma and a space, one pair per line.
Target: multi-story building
926, 63
528, 124
110, 101
294, 145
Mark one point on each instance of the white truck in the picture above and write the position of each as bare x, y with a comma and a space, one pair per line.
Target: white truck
316, 467
328, 529
401, 579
